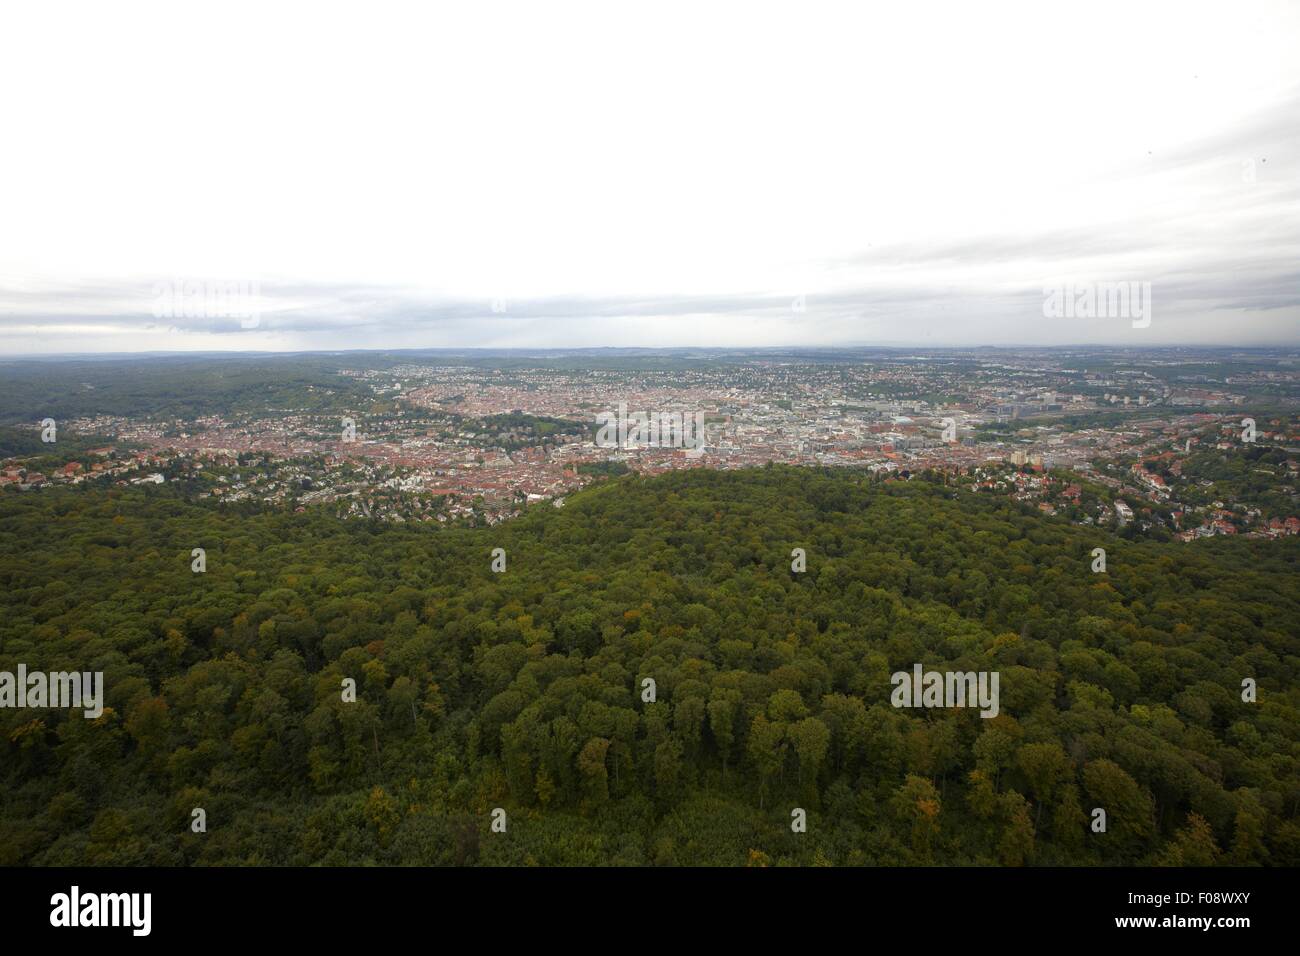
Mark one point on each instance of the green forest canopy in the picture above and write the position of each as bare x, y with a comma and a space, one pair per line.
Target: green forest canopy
522, 690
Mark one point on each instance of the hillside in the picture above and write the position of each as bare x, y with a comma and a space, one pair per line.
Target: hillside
523, 690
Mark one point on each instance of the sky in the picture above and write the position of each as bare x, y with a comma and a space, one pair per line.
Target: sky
280, 176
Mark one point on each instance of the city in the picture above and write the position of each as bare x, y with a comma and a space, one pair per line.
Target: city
1140, 439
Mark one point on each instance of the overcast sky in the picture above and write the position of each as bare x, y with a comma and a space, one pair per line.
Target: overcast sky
657, 174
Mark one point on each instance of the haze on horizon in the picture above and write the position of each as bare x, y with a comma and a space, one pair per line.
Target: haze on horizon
581, 175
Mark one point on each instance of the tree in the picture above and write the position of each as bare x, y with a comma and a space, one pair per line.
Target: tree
668, 768
1193, 845
1248, 831
1130, 816
723, 707
591, 766
811, 739
1047, 769
1016, 844
766, 748
980, 795
916, 804
688, 721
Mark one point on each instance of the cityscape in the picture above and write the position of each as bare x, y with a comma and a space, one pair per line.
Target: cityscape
1139, 439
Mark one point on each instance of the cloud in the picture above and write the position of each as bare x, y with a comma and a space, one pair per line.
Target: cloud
926, 192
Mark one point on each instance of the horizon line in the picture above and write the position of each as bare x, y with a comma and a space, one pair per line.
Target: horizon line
163, 353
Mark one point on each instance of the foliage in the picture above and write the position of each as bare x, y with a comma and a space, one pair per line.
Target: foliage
523, 690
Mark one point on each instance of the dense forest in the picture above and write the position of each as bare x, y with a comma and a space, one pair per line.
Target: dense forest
525, 690
179, 386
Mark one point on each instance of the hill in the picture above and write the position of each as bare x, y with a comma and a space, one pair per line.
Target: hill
525, 690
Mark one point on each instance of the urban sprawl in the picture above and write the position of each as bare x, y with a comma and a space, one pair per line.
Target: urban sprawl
1128, 445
